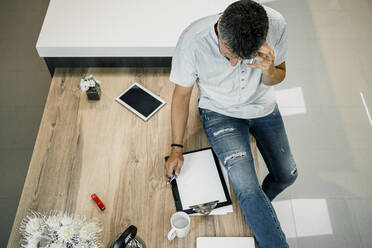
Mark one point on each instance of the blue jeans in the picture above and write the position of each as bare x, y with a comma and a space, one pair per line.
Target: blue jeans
229, 138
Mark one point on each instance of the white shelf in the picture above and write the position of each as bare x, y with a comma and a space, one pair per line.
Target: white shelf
119, 28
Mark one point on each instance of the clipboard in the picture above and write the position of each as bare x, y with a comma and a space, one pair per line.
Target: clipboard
218, 172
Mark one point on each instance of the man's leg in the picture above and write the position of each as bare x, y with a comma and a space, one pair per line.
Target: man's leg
229, 138
272, 142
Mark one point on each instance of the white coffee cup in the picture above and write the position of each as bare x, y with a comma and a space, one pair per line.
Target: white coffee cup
180, 223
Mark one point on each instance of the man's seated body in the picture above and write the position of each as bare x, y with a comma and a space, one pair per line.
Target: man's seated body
235, 58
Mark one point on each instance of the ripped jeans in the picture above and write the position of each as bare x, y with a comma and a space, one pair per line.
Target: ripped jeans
229, 138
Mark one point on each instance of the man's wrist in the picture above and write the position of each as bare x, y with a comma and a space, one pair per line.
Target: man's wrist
177, 145
177, 149
270, 73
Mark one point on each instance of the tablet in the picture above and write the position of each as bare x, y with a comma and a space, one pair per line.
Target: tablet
219, 242
140, 101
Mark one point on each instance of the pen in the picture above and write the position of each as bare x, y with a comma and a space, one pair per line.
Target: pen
170, 180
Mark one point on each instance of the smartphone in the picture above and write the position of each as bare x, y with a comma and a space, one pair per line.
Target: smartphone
250, 61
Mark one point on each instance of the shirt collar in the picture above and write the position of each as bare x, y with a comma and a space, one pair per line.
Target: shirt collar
213, 33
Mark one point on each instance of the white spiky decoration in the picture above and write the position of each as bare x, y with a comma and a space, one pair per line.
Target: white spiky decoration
59, 230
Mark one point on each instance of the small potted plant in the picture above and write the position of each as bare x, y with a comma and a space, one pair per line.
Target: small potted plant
91, 86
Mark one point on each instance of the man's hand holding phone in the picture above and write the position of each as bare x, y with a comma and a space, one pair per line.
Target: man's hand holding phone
266, 57
271, 74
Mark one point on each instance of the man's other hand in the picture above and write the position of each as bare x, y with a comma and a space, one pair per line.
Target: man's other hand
174, 162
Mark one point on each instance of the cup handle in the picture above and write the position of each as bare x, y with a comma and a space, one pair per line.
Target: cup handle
172, 234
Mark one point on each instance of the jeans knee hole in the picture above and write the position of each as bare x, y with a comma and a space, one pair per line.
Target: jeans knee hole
224, 130
234, 155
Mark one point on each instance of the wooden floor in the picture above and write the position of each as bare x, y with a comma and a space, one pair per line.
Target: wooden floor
100, 147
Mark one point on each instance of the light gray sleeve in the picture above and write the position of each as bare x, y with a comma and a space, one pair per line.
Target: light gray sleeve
183, 71
281, 46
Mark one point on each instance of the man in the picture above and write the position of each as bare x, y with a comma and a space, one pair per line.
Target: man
235, 58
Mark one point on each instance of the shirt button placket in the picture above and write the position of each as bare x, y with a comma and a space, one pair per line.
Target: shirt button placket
242, 79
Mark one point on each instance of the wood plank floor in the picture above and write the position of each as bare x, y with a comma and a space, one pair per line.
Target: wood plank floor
100, 147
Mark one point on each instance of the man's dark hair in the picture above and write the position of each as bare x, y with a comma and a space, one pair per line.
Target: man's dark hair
243, 26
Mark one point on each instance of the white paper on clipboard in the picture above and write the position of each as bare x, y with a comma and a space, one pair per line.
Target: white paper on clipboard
225, 209
199, 181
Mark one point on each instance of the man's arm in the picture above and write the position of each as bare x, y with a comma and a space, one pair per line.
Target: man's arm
179, 116
274, 77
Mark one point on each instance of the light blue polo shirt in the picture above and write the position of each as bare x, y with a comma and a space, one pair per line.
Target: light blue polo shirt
233, 91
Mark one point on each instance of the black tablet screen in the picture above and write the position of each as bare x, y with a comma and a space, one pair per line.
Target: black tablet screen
140, 100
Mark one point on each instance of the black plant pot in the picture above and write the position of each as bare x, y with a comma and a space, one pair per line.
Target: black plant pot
94, 93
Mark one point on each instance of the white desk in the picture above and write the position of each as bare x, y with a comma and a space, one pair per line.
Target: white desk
89, 33
119, 28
